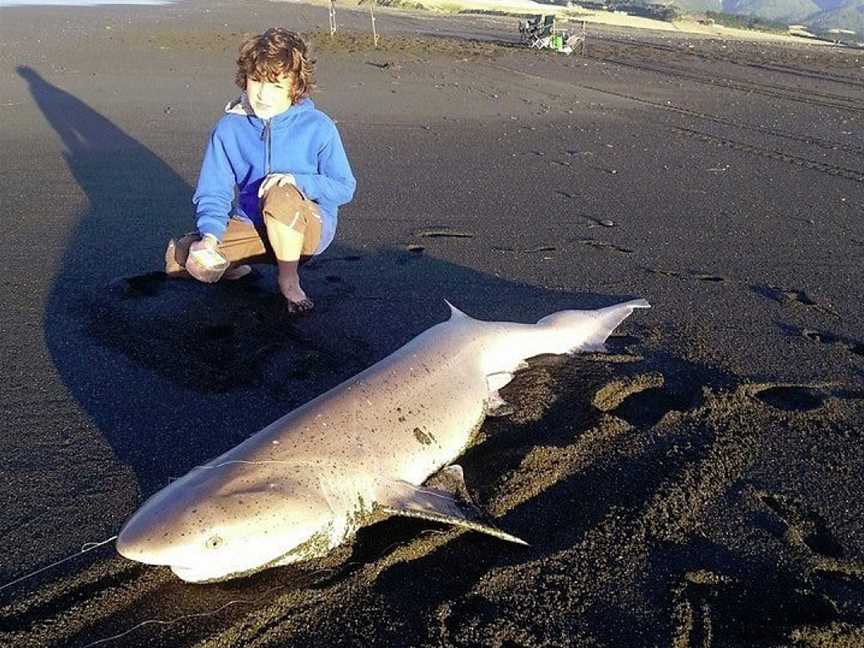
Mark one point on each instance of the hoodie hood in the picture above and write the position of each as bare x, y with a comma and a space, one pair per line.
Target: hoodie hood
241, 106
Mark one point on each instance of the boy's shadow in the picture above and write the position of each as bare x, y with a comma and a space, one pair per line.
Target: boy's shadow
176, 372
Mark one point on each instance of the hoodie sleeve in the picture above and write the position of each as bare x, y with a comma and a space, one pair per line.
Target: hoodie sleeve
215, 192
334, 182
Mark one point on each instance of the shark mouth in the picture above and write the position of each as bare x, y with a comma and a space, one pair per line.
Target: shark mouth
196, 575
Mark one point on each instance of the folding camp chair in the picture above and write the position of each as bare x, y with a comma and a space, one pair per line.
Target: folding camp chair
528, 27
542, 35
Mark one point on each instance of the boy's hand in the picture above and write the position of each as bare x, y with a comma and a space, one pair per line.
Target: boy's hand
275, 180
205, 273
208, 241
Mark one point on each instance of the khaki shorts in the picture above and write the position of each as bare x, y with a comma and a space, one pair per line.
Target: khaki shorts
243, 242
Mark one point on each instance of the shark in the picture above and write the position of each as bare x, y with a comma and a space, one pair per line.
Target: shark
381, 443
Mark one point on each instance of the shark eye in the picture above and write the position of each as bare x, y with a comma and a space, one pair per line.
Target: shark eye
213, 542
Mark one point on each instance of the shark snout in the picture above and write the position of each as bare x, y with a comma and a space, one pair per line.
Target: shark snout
159, 530
136, 541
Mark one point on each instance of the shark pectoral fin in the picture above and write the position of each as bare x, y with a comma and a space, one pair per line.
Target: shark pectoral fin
495, 405
497, 380
444, 499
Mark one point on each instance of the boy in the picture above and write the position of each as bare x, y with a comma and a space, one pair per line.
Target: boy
286, 161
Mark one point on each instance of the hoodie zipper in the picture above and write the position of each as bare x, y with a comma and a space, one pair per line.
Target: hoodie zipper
265, 137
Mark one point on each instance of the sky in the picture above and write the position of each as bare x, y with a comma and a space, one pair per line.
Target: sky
79, 3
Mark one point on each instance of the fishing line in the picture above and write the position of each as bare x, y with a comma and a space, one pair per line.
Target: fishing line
87, 546
90, 546
262, 462
197, 615
169, 622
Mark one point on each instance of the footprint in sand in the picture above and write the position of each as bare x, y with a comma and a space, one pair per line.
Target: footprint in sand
709, 277
713, 608
648, 407
824, 337
613, 394
318, 263
793, 297
622, 343
699, 276
145, 285
800, 398
662, 272
792, 398
643, 399
805, 528
444, 232
808, 527
604, 245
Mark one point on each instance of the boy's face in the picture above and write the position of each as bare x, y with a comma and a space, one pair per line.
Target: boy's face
268, 99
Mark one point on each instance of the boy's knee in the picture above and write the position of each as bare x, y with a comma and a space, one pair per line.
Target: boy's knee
282, 203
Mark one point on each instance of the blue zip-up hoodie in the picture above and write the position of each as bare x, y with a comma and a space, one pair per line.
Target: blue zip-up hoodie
245, 149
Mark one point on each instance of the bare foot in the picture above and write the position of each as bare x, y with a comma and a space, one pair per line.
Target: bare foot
296, 298
300, 308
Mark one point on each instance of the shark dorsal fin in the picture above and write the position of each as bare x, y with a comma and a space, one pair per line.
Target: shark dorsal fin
455, 312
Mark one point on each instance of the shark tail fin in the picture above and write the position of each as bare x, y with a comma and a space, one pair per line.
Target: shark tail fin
575, 330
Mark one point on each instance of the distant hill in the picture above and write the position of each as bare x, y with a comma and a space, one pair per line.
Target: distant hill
850, 16
828, 5
788, 10
818, 15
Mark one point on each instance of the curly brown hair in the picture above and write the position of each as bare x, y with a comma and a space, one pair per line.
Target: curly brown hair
275, 53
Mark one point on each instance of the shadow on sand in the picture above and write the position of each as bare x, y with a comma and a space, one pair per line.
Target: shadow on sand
175, 372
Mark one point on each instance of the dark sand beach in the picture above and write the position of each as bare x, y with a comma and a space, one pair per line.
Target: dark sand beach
700, 485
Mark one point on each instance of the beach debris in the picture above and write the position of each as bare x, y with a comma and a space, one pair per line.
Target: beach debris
542, 32
380, 444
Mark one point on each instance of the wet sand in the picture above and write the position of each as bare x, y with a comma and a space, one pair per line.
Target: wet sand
698, 486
